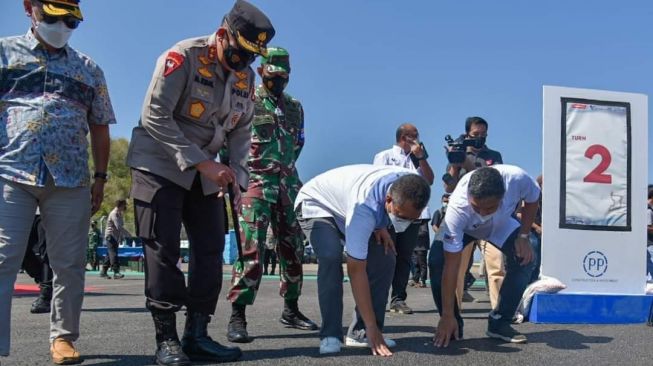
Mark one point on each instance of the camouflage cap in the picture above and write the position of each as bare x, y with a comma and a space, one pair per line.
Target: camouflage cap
277, 60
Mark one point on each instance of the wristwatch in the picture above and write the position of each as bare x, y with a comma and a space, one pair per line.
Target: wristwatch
101, 175
523, 236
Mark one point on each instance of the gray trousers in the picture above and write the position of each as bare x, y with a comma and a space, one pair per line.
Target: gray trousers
65, 214
326, 240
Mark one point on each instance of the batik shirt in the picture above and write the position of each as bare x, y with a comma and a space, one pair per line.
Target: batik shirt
47, 102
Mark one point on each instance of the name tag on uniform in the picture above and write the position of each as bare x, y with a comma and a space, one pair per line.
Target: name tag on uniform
203, 93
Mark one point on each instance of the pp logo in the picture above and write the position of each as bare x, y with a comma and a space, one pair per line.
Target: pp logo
595, 264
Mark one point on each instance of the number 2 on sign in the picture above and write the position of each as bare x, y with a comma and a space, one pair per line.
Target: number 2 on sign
597, 175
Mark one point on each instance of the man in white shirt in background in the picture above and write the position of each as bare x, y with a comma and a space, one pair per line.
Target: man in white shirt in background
358, 203
482, 207
407, 153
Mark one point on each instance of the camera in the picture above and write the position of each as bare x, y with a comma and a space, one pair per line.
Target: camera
457, 149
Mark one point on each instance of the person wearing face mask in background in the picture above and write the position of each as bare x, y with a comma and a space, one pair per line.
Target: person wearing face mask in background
358, 203
482, 207
277, 140
477, 128
200, 99
51, 98
408, 153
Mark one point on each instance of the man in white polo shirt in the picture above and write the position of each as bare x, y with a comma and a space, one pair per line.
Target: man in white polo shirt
408, 153
358, 204
482, 207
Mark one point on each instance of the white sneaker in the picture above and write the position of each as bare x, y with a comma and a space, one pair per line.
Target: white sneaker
330, 345
362, 343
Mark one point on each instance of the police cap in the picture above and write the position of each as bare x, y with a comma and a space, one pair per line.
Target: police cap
252, 28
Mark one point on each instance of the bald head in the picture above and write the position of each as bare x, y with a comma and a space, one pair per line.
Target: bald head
407, 136
406, 129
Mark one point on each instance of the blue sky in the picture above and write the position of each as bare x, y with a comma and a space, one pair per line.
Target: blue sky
363, 67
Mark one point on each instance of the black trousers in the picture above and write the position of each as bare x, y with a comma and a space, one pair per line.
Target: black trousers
158, 224
405, 245
421, 266
35, 261
269, 256
516, 280
112, 255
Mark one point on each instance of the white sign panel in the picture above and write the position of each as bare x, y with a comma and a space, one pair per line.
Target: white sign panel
594, 233
595, 163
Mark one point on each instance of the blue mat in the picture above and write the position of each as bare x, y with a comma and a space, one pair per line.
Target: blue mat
590, 309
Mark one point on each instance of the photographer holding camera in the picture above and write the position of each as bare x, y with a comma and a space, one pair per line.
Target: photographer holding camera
465, 154
468, 152
408, 152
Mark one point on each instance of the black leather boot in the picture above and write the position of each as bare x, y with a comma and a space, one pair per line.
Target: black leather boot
237, 328
42, 303
197, 344
293, 318
168, 349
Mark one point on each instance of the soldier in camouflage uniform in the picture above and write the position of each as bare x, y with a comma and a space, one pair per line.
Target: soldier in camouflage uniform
277, 139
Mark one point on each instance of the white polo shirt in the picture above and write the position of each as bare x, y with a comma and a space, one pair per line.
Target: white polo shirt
462, 219
396, 156
354, 196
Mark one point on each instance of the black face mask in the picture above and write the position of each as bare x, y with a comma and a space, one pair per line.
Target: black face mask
275, 84
236, 59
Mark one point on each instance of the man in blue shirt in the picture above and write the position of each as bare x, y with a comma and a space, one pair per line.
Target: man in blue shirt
51, 97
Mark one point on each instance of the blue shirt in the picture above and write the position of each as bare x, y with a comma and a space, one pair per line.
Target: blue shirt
47, 101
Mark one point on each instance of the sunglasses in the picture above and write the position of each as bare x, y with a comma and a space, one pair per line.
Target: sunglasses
70, 21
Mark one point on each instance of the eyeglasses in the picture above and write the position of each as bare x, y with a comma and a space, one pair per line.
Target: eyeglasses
70, 21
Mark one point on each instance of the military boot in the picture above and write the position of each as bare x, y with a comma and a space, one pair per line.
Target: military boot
168, 349
42, 303
293, 318
197, 344
237, 328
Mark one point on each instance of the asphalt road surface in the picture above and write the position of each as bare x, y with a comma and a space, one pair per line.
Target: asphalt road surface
117, 330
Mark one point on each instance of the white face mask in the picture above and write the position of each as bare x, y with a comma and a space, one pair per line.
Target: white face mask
55, 35
485, 218
399, 224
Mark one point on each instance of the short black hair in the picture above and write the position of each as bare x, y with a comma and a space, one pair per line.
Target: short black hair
411, 188
121, 203
650, 191
446, 195
474, 121
486, 182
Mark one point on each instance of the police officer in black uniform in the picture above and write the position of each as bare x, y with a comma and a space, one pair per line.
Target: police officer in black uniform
200, 100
